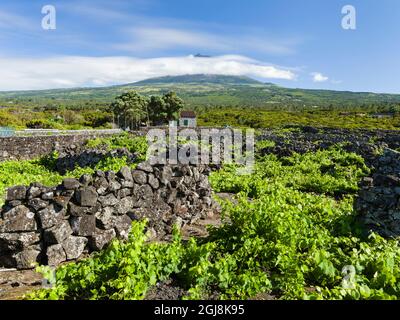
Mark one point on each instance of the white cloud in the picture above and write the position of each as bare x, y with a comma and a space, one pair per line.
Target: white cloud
145, 38
75, 71
319, 77
145, 33
130, 32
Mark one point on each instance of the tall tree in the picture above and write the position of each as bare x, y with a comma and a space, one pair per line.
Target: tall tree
173, 104
130, 107
157, 110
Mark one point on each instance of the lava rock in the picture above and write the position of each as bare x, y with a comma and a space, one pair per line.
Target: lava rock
124, 205
51, 216
55, 255
16, 193
108, 200
139, 176
145, 166
122, 226
74, 246
125, 173
105, 218
13, 203
110, 175
83, 226
78, 211
27, 258
85, 179
124, 193
100, 238
62, 200
17, 219
71, 184
145, 192
58, 233
37, 204
48, 195
166, 175
18, 241
86, 197
34, 191
101, 185
153, 181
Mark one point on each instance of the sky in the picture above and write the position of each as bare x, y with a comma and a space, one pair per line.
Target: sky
291, 43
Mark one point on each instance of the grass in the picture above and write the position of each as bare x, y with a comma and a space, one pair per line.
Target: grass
258, 118
293, 240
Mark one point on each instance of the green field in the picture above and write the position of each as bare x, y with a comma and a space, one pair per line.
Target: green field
201, 91
258, 118
218, 101
291, 235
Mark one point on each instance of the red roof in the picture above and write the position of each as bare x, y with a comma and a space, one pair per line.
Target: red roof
188, 114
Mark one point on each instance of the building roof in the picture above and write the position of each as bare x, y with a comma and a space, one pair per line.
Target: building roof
188, 114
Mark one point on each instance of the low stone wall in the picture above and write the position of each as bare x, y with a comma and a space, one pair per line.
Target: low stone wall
25, 148
378, 202
30, 147
74, 156
50, 225
365, 143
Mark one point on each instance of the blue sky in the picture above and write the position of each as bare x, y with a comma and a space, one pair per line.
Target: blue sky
287, 42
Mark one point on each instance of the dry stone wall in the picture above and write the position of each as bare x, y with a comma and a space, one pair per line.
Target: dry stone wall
378, 202
25, 148
365, 143
70, 157
50, 225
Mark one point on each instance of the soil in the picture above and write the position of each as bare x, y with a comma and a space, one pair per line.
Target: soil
166, 290
15, 283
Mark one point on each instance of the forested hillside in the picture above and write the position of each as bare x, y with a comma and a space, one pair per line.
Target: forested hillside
201, 91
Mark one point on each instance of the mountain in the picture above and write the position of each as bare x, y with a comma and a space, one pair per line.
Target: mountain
199, 55
204, 90
199, 79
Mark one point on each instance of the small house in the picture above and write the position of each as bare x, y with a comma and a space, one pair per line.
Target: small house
187, 119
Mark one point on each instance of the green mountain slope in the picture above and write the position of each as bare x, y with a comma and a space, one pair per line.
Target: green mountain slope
207, 90
199, 79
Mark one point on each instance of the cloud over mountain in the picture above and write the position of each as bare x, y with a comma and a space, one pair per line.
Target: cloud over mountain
74, 71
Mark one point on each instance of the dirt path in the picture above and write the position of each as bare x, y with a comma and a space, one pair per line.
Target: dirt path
14, 284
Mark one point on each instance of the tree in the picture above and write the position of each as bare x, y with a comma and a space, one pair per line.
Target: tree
165, 108
157, 110
173, 104
130, 108
71, 117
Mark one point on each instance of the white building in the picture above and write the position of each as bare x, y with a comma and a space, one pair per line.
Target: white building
187, 119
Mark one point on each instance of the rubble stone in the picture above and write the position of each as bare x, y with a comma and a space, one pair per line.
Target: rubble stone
55, 224
18, 219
